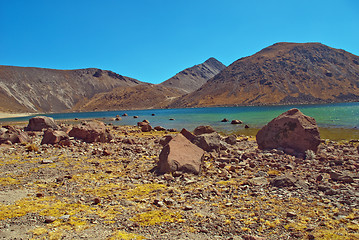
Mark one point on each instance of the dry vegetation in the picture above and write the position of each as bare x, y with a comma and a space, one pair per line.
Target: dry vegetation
110, 191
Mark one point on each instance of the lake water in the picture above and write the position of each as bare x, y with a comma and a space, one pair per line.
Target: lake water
341, 115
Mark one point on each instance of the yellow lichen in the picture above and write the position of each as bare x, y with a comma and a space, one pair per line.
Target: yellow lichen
125, 235
8, 181
144, 189
156, 217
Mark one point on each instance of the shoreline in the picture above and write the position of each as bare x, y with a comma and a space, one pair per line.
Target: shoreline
14, 115
329, 133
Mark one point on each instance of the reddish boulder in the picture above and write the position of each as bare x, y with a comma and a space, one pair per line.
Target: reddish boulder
290, 130
180, 155
56, 137
93, 131
188, 134
208, 141
159, 128
232, 139
10, 134
202, 130
41, 122
146, 128
141, 124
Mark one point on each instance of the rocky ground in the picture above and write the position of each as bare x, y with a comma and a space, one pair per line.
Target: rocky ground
112, 191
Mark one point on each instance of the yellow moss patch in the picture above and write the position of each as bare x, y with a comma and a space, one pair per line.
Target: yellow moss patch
156, 217
273, 172
39, 231
8, 181
125, 235
145, 189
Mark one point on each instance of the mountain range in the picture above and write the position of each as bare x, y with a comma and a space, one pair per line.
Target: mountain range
284, 73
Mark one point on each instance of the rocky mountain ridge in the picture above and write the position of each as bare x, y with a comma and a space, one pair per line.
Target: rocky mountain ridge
284, 73
194, 77
28, 89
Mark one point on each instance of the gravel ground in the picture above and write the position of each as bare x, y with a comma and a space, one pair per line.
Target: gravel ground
112, 191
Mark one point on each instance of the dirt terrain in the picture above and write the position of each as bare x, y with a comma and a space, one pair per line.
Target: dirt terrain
112, 191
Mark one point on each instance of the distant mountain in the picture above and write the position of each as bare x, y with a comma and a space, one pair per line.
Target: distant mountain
143, 96
147, 96
284, 73
194, 77
28, 89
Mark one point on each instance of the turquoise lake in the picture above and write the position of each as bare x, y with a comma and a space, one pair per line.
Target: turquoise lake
341, 115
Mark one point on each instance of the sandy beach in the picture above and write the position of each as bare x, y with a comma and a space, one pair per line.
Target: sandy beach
14, 115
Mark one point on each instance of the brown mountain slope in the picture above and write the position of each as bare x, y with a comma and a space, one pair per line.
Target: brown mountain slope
143, 96
284, 73
28, 89
153, 96
194, 77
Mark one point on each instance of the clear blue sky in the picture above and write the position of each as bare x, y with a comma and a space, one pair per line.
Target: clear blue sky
152, 40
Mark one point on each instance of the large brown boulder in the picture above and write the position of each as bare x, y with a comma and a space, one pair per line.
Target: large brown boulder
10, 134
292, 130
93, 131
208, 141
41, 122
180, 155
203, 130
56, 137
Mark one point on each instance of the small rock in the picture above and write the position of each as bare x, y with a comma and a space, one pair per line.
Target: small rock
283, 181
135, 116
65, 217
159, 128
319, 178
236, 122
246, 126
146, 128
258, 181
39, 195
202, 130
188, 208
96, 201
331, 192
169, 201
49, 219
46, 161
346, 179
250, 237
232, 139
224, 120
291, 214
158, 203
311, 237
